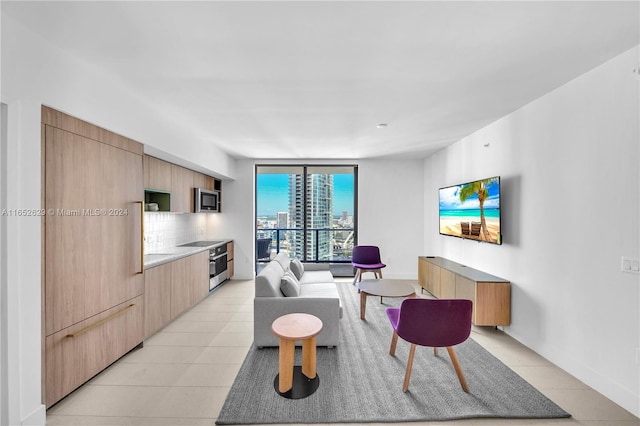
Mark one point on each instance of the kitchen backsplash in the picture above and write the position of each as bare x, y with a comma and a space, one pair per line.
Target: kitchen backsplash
165, 230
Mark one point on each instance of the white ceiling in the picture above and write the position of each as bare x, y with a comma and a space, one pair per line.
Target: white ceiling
313, 79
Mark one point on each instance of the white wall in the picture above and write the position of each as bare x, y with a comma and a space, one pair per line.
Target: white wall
570, 168
237, 218
4, 388
390, 209
390, 213
33, 74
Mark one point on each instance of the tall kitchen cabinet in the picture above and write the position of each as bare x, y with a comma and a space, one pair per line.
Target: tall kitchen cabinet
92, 252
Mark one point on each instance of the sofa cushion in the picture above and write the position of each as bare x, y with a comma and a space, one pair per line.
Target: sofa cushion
283, 260
268, 281
312, 277
321, 290
289, 285
297, 268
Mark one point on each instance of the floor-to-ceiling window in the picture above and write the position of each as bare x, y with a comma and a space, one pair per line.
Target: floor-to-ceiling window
307, 211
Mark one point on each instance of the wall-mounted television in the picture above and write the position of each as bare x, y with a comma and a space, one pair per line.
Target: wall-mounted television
472, 210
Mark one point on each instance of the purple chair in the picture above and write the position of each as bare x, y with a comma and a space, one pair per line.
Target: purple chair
431, 322
366, 259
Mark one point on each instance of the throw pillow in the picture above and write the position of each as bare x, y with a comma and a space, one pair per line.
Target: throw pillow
289, 285
297, 268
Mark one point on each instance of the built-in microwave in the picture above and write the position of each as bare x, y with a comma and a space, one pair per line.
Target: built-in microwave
206, 200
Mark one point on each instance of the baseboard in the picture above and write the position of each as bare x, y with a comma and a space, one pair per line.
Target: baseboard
38, 417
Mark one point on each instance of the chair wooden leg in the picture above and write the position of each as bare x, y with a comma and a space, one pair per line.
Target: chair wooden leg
394, 342
456, 366
358, 276
435, 351
407, 375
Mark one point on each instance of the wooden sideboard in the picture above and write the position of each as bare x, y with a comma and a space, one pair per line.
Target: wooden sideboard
445, 279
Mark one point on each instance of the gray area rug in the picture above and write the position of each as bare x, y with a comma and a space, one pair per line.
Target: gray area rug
360, 382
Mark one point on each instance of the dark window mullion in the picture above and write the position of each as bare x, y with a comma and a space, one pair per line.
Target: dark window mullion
305, 213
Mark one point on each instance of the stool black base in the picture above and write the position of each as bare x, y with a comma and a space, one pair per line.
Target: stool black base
302, 385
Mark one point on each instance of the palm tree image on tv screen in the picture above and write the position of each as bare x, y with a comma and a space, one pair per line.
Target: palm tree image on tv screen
472, 210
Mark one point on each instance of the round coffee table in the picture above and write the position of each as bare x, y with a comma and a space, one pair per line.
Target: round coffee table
384, 288
299, 381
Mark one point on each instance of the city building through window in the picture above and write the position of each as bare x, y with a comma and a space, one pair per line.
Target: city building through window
307, 211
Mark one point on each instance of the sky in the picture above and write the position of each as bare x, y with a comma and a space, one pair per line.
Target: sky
450, 199
273, 194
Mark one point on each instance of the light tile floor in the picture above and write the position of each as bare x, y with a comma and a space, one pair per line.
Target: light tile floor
183, 373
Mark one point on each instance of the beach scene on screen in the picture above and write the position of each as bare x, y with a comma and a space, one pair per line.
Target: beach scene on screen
461, 213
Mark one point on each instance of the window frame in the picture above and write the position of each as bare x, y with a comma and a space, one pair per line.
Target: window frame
304, 167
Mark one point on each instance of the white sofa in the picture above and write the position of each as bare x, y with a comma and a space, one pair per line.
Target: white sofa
318, 295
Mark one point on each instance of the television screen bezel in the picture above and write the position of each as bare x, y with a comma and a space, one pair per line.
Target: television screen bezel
500, 239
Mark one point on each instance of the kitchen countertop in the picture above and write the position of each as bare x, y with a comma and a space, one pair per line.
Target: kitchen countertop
169, 254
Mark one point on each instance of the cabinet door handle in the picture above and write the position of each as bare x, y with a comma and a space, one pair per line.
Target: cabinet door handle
99, 323
141, 271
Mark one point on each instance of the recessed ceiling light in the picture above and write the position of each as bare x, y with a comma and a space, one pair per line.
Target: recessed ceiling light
382, 125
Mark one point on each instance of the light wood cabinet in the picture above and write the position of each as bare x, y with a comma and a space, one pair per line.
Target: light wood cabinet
92, 245
433, 278
163, 177
447, 284
92, 252
494, 298
77, 353
200, 277
423, 271
230, 267
199, 180
465, 288
189, 282
181, 189
180, 286
209, 182
172, 288
157, 298
157, 174
491, 296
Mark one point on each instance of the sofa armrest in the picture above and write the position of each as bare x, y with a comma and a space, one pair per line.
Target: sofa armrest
268, 309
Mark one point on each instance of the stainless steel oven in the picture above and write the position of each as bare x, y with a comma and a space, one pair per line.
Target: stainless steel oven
217, 266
